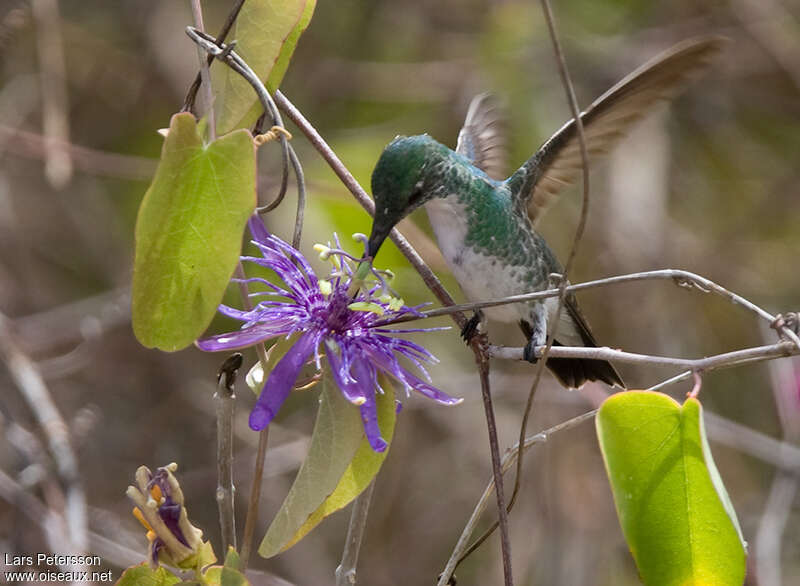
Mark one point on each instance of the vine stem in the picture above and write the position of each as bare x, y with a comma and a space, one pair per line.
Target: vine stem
205, 74
225, 400
433, 283
346, 572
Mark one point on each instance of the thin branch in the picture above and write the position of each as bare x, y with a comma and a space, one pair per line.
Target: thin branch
263, 441
30, 144
191, 95
29, 381
346, 571
460, 550
754, 354
679, 277
55, 102
225, 399
205, 74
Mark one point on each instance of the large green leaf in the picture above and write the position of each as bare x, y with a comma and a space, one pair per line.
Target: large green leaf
144, 575
189, 233
266, 35
336, 437
673, 508
362, 470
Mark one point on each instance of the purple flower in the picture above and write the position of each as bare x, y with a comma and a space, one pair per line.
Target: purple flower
329, 321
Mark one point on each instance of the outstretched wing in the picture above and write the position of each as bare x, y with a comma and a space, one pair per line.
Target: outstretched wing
482, 139
558, 162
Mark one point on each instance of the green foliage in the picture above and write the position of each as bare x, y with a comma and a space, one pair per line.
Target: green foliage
335, 471
673, 508
362, 470
188, 233
144, 575
267, 32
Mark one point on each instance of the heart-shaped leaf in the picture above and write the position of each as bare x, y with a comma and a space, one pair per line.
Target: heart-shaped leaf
189, 233
675, 513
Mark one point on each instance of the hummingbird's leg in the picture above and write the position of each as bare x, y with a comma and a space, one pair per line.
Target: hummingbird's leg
536, 333
472, 326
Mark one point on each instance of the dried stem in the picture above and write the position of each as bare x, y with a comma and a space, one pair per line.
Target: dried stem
205, 74
225, 399
679, 277
29, 381
346, 572
55, 104
431, 281
191, 95
263, 441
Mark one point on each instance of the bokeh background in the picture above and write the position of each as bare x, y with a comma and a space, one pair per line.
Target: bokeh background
709, 185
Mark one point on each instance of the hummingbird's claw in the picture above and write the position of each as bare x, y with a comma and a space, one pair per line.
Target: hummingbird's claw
470, 329
529, 353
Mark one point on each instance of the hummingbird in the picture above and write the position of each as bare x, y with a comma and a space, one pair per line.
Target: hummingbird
486, 226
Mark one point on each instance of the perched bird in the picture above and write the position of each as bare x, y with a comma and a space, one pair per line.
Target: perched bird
485, 226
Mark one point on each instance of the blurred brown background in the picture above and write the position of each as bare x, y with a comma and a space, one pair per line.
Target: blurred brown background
709, 185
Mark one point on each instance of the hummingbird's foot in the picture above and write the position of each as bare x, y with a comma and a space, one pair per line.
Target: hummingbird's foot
471, 327
529, 353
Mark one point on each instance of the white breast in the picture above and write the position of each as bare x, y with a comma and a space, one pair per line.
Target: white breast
480, 277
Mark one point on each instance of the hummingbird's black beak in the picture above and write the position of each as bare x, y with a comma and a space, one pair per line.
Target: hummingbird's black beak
375, 241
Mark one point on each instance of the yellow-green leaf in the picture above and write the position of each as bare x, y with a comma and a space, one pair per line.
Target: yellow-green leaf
189, 233
673, 508
365, 466
266, 34
144, 575
334, 441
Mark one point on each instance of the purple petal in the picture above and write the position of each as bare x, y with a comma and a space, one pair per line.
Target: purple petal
280, 382
353, 391
429, 390
257, 228
369, 410
242, 338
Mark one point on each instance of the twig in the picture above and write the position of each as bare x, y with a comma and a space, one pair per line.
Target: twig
678, 276
30, 144
55, 104
346, 571
263, 441
755, 354
769, 537
30, 383
225, 399
430, 280
191, 95
497, 470
460, 550
205, 74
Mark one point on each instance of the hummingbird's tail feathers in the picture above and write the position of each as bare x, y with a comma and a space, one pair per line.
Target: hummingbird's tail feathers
574, 372
482, 139
558, 163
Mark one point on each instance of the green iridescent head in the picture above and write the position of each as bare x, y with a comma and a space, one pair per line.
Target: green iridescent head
401, 182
